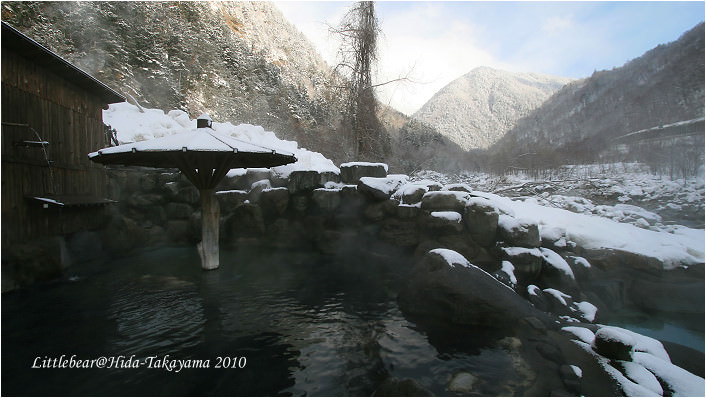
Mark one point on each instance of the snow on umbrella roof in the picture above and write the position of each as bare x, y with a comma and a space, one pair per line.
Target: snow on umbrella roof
193, 152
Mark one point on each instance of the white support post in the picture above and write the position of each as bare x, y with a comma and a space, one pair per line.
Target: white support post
210, 213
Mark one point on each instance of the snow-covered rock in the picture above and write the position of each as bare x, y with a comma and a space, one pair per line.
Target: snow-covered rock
381, 188
352, 172
481, 219
445, 200
614, 343
518, 232
444, 285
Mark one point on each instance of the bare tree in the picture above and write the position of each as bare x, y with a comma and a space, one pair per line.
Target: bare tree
359, 32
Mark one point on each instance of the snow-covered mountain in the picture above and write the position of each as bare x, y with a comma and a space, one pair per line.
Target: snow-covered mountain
661, 87
479, 107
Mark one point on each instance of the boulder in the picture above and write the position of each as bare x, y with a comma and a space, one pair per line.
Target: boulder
538, 298
460, 243
286, 234
431, 185
179, 231
242, 179
299, 203
349, 213
40, 259
122, 235
375, 212
447, 287
144, 200
399, 232
155, 214
442, 222
156, 236
229, 200
274, 202
352, 172
245, 222
457, 187
518, 232
303, 180
333, 241
613, 343
148, 182
407, 211
527, 262
188, 194
256, 190
326, 200
445, 201
481, 219
380, 188
570, 377
178, 211
557, 273
329, 176
167, 178
411, 193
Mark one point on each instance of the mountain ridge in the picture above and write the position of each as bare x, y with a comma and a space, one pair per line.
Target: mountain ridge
476, 109
665, 85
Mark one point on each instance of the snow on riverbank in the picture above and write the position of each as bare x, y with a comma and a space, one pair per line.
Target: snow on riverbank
619, 226
624, 192
132, 126
683, 246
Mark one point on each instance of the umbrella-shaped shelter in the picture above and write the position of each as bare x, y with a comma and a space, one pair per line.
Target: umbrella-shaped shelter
204, 156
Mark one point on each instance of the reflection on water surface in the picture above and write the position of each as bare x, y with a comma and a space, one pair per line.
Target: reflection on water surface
307, 325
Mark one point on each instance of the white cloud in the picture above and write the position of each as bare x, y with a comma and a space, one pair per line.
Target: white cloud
429, 46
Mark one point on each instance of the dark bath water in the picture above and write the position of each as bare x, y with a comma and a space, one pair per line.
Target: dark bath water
307, 325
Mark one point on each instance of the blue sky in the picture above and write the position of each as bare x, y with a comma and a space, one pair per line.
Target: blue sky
433, 43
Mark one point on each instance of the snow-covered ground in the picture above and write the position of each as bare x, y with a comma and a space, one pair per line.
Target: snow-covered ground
602, 206
625, 192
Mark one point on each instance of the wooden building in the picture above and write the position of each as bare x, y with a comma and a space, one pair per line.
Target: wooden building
51, 120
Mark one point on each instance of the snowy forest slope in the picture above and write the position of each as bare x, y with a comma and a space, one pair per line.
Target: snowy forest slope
578, 123
479, 107
239, 61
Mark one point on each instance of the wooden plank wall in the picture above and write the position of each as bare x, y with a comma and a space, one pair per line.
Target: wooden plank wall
70, 119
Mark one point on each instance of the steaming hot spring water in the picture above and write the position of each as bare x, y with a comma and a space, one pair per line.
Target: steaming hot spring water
284, 323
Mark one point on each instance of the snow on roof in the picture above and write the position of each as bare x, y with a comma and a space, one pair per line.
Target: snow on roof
202, 139
133, 126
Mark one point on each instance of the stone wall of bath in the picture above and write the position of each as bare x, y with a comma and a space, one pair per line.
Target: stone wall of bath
364, 208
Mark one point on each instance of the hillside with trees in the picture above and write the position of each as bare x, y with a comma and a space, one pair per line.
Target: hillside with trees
580, 122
